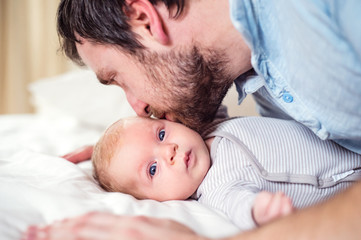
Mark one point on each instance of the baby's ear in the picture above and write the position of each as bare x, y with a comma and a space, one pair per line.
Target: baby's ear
145, 21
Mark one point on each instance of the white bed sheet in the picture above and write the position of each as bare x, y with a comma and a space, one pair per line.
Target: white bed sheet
38, 187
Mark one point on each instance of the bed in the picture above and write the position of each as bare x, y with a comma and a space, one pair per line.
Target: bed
39, 187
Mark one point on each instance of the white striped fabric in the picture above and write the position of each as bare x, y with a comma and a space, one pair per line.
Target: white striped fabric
252, 154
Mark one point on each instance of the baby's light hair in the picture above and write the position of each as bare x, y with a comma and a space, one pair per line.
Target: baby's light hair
103, 153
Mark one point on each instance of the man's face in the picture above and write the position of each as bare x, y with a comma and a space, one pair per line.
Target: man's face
163, 160
186, 85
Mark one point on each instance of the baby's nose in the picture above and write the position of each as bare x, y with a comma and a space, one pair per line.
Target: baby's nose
170, 152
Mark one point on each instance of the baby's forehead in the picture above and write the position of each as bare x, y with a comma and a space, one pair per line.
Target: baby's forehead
125, 123
138, 122
124, 127
135, 120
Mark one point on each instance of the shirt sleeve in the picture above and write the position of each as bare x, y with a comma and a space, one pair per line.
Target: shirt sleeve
238, 205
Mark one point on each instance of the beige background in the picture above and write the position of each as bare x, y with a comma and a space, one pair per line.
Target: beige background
28, 52
247, 108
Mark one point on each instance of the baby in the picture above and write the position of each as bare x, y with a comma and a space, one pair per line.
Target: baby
249, 168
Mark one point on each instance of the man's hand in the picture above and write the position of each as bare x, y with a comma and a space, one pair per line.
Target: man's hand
269, 206
107, 226
79, 155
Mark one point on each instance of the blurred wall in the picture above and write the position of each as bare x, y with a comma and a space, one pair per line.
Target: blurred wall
28, 50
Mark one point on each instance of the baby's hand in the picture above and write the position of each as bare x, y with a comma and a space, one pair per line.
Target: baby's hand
268, 206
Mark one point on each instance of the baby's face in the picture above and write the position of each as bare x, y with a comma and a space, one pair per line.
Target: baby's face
165, 160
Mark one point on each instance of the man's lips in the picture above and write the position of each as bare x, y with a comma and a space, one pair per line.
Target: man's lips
170, 117
167, 116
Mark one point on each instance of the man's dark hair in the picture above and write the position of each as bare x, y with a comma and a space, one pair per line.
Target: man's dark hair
100, 21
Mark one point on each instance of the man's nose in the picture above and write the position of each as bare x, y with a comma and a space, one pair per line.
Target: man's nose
169, 152
141, 108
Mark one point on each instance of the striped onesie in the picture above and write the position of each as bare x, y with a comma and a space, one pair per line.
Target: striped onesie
252, 154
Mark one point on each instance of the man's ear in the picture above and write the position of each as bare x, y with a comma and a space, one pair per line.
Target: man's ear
144, 19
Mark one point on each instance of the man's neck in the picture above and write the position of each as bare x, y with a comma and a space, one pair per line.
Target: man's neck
212, 27
208, 24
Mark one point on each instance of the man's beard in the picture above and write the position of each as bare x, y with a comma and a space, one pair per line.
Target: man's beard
188, 84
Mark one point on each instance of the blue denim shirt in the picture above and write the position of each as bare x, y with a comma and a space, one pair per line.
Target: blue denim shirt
307, 56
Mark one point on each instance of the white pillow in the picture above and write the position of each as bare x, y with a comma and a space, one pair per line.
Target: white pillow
80, 95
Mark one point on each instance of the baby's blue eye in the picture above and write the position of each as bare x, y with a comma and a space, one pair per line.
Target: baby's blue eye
153, 169
161, 134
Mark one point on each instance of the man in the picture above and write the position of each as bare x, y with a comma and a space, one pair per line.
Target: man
177, 59
166, 66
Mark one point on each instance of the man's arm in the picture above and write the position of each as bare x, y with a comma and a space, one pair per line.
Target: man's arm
338, 218
80, 155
